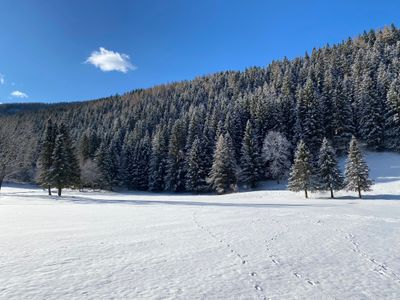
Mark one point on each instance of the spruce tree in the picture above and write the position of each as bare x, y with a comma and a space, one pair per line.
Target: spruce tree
392, 116
196, 170
46, 155
223, 176
356, 170
250, 160
158, 158
175, 166
64, 171
329, 176
301, 173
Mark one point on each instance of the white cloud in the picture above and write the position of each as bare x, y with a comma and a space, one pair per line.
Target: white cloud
19, 94
108, 60
2, 80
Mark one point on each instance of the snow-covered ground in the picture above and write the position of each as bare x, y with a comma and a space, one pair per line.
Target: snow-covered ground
251, 245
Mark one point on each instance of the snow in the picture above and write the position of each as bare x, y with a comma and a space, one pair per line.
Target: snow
249, 245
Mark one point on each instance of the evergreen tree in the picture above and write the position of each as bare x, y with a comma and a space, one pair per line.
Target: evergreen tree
175, 168
223, 176
158, 158
196, 170
356, 170
64, 171
84, 147
250, 160
301, 173
108, 161
276, 155
371, 121
46, 155
329, 176
392, 116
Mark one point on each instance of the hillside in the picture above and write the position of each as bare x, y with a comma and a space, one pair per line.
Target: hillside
142, 139
254, 245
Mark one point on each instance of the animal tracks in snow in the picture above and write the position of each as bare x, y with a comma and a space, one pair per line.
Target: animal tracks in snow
380, 268
252, 274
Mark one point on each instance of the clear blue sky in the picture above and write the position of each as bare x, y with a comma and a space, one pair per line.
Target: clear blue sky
45, 44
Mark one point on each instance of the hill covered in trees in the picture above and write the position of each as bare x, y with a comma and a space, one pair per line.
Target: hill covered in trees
166, 137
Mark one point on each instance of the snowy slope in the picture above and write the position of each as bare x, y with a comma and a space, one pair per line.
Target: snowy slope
254, 245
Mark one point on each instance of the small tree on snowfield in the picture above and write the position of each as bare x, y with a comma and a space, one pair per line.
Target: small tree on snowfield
357, 173
301, 173
64, 171
329, 176
223, 176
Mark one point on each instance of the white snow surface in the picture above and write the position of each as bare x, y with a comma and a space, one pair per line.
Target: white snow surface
265, 244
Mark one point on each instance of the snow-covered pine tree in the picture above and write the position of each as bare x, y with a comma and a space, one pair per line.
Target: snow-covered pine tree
250, 158
329, 176
196, 174
371, 119
301, 173
175, 173
158, 157
46, 155
356, 172
276, 155
109, 164
64, 171
142, 159
392, 116
222, 177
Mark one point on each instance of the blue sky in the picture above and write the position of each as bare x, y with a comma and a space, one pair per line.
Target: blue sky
80, 50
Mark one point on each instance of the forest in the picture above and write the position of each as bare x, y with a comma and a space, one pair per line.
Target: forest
178, 137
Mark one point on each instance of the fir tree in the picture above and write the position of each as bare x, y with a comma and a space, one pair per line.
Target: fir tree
392, 116
223, 172
329, 176
64, 171
175, 167
157, 164
250, 160
356, 170
196, 170
46, 155
301, 173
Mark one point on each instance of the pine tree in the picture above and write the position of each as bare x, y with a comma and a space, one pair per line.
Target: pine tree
108, 161
64, 171
46, 155
392, 116
356, 170
196, 170
276, 155
250, 160
223, 176
158, 158
301, 173
175, 168
329, 176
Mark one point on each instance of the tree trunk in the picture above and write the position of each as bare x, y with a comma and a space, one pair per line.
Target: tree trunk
1, 181
332, 193
359, 192
306, 193
59, 192
49, 189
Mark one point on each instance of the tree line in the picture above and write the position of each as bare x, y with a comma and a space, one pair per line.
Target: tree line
165, 138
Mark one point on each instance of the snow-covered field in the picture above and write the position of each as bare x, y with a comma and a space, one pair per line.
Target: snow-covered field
251, 245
